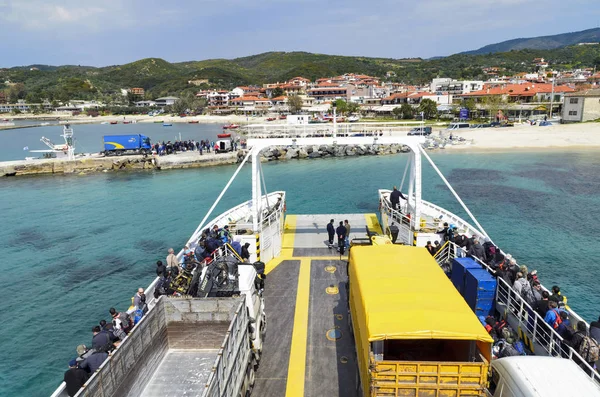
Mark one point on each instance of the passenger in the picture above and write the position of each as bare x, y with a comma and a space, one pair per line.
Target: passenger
245, 253
74, 378
161, 270
94, 361
512, 270
83, 352
211, 244
395, 197
552, 316
436, 246
519, 282
347, 226
101, 341
430, 248
595, 330
579, 335
330, 232
137, 299
564, 328
532, 277
115, 334
556, 296
121, 320
172, 259
537, 290
341, 234
236, 245
524, 271
542, 305
225, 234
477, 250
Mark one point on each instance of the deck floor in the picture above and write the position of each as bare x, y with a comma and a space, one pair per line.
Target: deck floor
309, 347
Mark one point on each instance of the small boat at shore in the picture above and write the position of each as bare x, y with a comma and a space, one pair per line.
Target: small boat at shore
193, 122
167, 124
158, 122
127, 122
114, 122
224, 135
231, 127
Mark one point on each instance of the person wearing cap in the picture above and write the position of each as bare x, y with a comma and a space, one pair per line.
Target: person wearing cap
93, 362
236, 245
74, 378
83, 352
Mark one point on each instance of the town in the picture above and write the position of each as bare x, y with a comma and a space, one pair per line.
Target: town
501, 98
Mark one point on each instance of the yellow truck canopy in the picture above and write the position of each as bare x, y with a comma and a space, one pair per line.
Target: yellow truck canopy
400, 292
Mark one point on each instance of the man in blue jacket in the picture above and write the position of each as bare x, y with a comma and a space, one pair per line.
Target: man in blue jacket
341, 233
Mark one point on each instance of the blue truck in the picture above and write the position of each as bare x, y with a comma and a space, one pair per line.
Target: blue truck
126, 144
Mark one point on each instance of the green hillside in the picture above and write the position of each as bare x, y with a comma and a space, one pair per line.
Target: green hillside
159, 77
541, 42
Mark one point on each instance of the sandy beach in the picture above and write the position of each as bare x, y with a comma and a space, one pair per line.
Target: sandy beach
558, 136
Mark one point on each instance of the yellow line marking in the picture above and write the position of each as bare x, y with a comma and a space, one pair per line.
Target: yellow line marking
297, 363
373, 223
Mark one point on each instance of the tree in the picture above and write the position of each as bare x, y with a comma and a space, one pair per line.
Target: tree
407, 111
428, 107
180, 106
353, 107
295, 104
277, 91
340, 105
493, 103
16, 92
397, 112
470, 104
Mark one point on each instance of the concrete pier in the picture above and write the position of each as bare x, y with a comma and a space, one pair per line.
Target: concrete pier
96, 163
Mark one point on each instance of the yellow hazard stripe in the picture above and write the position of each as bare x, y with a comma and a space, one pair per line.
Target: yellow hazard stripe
297, 363
287, 245
373, 223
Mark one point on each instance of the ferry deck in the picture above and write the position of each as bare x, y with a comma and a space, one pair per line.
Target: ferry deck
309, 346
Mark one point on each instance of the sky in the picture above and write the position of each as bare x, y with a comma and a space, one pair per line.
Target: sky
111, 32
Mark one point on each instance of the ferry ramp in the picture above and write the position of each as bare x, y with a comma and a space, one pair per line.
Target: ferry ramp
309, 347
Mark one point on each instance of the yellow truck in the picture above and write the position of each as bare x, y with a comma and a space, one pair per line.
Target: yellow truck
414, 333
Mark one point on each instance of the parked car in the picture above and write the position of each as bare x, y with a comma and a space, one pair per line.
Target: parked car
420, 131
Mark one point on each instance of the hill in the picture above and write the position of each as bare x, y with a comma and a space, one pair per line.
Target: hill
161, 78
541, 42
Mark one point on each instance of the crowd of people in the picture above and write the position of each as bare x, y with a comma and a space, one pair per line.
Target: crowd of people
202, 146
550, 305
106, 336
210, 241
343, 235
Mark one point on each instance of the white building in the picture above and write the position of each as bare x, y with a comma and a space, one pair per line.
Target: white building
166, 101
456, 87
582, 106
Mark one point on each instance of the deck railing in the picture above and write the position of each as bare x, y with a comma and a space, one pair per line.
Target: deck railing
531, 326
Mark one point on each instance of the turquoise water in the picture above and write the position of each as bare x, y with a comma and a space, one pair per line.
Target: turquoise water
74, 246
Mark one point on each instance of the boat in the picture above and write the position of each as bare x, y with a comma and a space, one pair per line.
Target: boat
114, 122
353, 119
271, 118
322, 306
167, 124
158, 121
231, 127
193, 122
127, 122
65, 150
224, 135
5, 120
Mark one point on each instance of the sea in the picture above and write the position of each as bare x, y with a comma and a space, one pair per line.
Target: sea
72, 246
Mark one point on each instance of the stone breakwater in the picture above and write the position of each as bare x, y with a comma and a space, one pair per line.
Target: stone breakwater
320, 151
92, 164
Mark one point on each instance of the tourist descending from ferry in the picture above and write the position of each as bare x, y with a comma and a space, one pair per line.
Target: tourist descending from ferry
331, 232
115, 334
74, 378
341, 234
139, 298
347, 226
557, 297
94, 361
537, 290
172, 258
395, 197
436, 247
565, 329
430, 248
161, 269
585, 345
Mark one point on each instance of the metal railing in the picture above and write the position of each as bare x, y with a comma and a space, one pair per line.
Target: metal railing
533, 330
